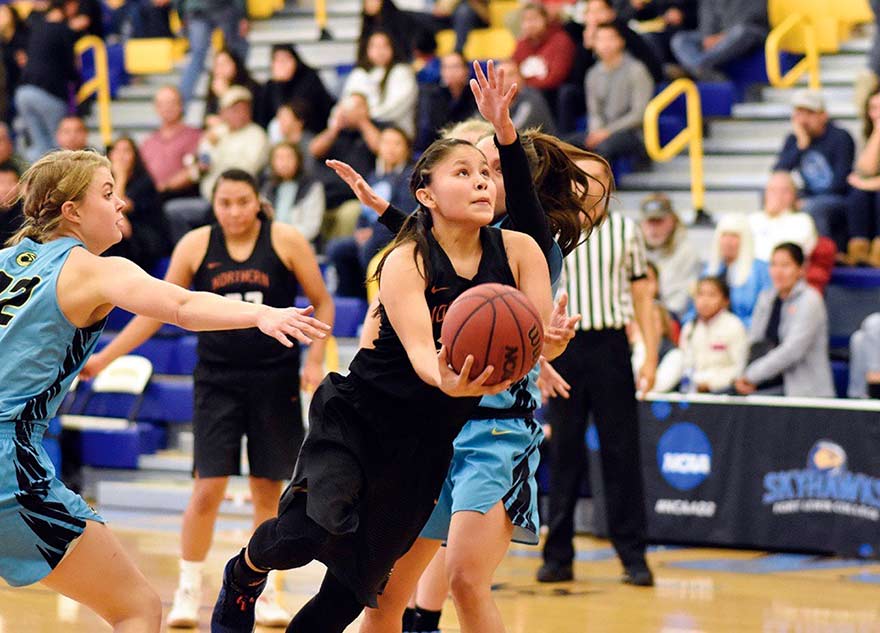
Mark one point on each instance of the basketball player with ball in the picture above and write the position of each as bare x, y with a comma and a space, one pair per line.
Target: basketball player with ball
380, 439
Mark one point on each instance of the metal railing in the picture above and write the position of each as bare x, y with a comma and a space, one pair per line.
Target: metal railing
690, 138
808, 65
98, 85
321, 15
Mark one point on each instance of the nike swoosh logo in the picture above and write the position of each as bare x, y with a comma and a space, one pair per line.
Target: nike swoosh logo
495, 431
435, 289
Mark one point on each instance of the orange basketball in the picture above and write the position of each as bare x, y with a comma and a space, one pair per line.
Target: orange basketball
499, 326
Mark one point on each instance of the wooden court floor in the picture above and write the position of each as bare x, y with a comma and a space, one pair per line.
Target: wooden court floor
697, 591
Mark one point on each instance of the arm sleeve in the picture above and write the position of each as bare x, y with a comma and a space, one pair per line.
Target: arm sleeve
523, 207
393, 219
790, 155
641, 89
807, 325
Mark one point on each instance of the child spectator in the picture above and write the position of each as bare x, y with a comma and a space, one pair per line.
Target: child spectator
297, 197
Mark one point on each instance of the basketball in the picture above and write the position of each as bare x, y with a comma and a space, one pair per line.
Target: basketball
499, 326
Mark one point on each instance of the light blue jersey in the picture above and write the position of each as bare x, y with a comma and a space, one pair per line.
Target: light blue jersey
41, 352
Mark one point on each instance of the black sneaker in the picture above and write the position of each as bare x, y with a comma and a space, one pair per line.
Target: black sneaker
555, 572
234, 609
638, 574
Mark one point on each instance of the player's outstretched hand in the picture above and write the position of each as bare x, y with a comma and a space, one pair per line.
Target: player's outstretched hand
364, 192
284, 323
492, 100
551, 383
459, 386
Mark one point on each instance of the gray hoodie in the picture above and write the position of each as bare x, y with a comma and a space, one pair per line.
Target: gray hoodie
802, 354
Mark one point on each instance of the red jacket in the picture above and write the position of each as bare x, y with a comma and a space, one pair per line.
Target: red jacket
555, 50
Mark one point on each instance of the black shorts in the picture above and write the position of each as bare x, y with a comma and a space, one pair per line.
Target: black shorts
263, 404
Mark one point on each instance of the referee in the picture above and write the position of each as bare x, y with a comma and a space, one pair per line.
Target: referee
606, 282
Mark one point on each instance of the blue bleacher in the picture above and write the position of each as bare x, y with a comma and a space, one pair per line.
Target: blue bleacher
167, 400
851, 295
752, 69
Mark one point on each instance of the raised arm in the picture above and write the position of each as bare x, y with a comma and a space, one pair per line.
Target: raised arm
389, 215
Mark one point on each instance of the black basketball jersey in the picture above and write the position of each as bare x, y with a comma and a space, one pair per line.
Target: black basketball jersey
262, 279
387, 367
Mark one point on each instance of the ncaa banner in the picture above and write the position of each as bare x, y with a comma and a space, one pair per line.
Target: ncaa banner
763, 473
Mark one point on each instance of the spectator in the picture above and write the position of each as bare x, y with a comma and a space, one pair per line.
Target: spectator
85, 17
41, 98
147, 18
864, 359
390, 180
714, 347
72, 133
668, 248
10, 207
673, 15
404, 27
228, 70
165, 151
544, 52
351, 137
144, 228
289, 126
450, 102
13, 44
529, 108
201, 17
734, 261
727, 30
667, 330
465, 15
602, 12
863, 202
781, 221
789, 334
387, 82
618, 89
238, 143
823, 154
293, 81
297, 197
7, 150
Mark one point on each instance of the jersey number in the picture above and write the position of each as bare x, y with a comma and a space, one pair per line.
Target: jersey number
254, 296
24, 288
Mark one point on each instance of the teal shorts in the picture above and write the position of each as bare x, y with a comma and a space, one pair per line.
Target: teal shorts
494, 460
39, 516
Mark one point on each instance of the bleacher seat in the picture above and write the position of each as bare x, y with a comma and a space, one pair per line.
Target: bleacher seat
168, 400
498, 11
150, 55
445, 41
261, 9
184, 358
491, 43
350, 313
852, 294
840, 373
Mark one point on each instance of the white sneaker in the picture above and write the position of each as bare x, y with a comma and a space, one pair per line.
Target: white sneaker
267, 610
185, 609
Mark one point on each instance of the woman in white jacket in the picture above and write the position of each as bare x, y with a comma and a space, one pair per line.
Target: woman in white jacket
388, 83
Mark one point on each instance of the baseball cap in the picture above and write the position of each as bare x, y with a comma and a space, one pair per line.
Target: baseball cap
809, 100
657, 205
235, 94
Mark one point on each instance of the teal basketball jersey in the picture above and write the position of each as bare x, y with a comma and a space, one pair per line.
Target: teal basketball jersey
41, 352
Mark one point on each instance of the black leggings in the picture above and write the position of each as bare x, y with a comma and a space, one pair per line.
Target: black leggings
293, 540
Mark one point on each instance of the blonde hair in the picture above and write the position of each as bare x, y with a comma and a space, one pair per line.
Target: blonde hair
476, 127
58, 177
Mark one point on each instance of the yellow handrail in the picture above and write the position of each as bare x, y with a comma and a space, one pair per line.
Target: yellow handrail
98, 85
691, 137
809, 63
321, 14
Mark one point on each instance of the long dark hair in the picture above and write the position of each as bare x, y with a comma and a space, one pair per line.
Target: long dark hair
397, 56
417, 225
563, 188
242, 75
869, 124
138, 169
239, 175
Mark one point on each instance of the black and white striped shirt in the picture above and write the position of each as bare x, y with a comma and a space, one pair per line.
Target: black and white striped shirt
598, 274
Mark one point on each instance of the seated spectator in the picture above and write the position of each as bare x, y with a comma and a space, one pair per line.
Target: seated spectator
618, 90
13, 45
733, 260
10, 206
602, 12
529, 108
297, 197
351, 137
823, 154
7, 150
864, 359
41, 98
668, 248
450, 102
85, 17
164, 151
293, 81
404, 27
72, 133
726, 31
390, 180
781, 221
387, 82
238, 143
863, 202
789, 334
227, 70
673, 16
144, 227
289, 126
544, 51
